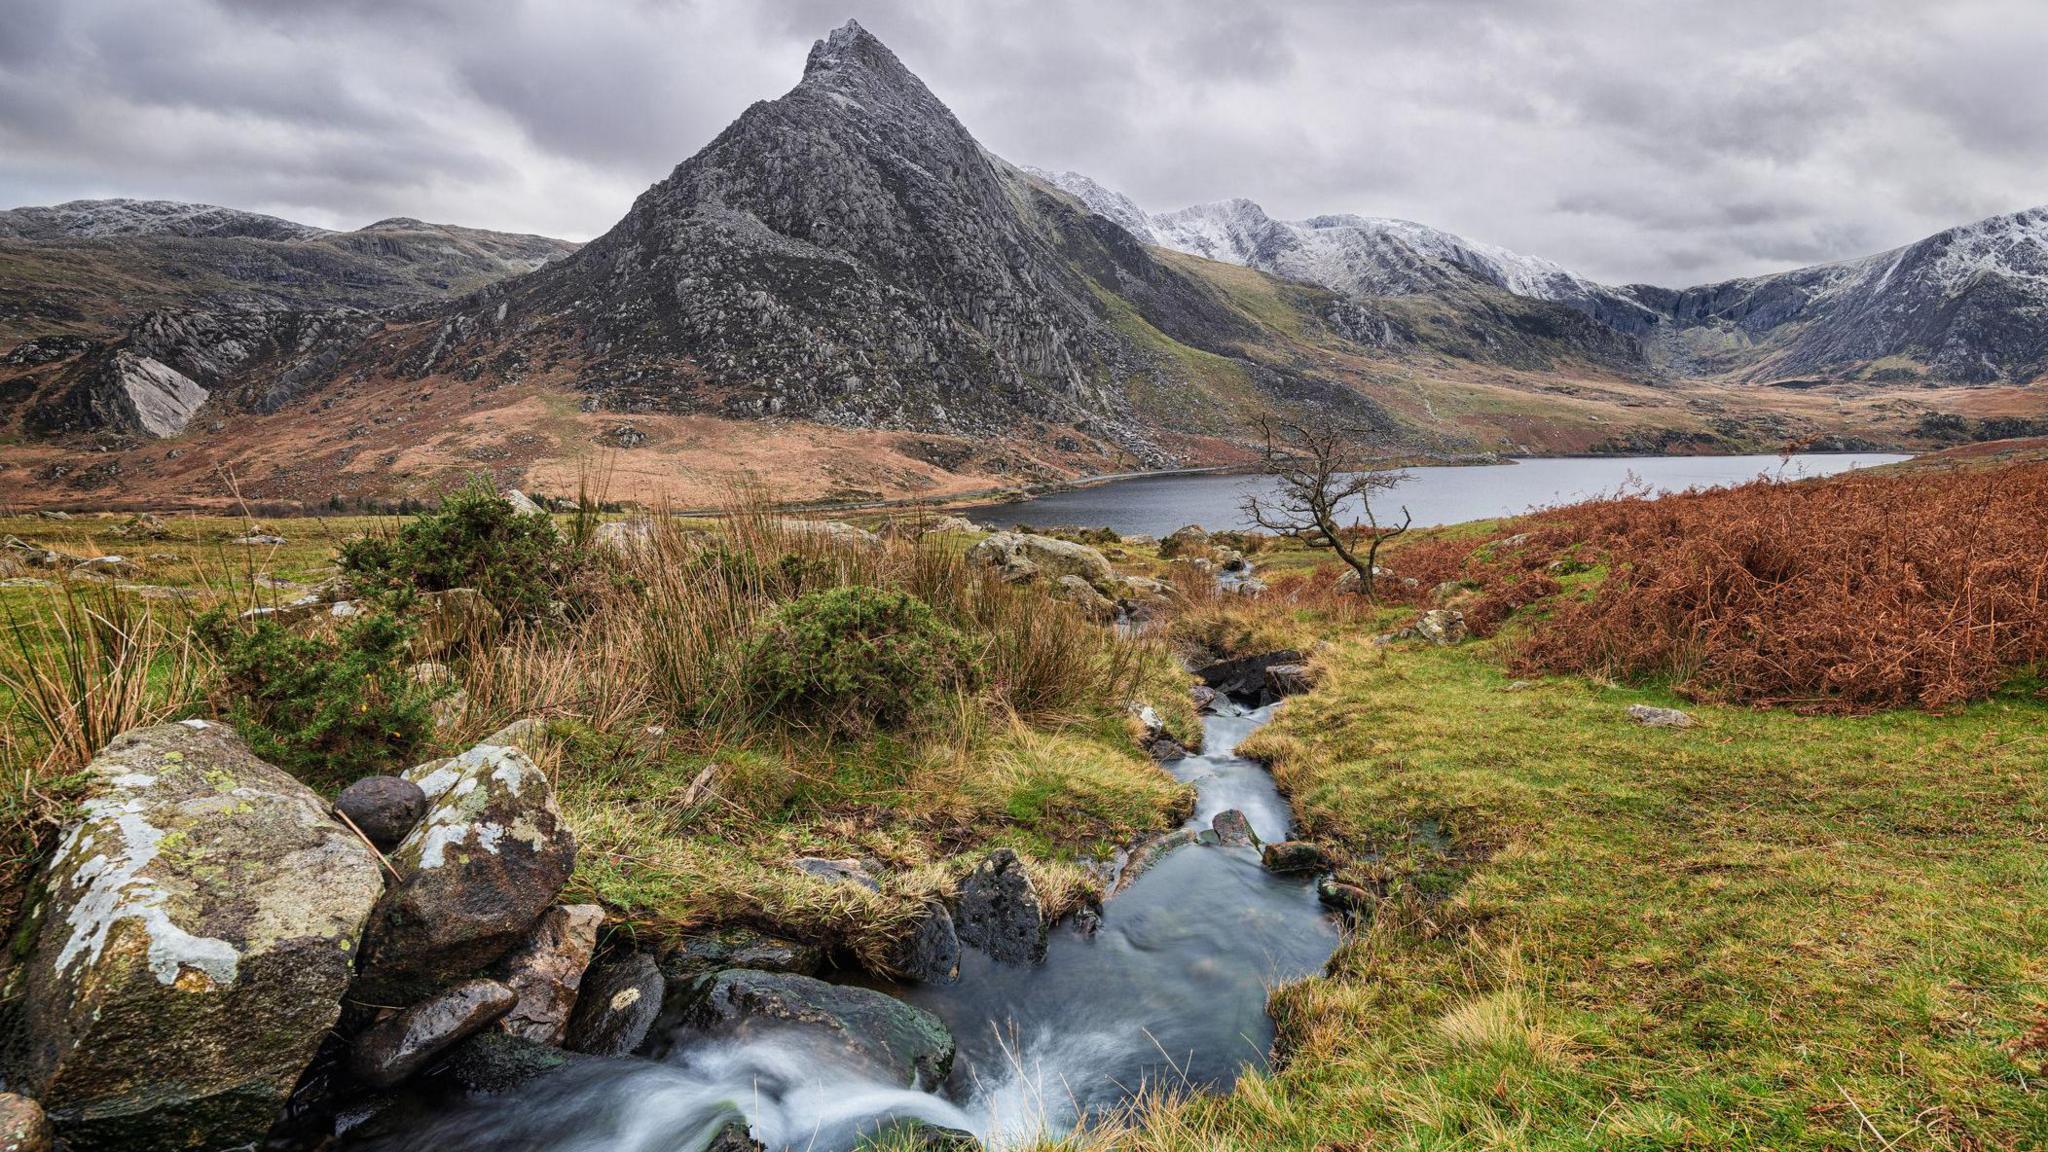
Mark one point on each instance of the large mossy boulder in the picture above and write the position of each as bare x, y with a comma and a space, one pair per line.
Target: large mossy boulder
194, 935
488, 858
894, 1039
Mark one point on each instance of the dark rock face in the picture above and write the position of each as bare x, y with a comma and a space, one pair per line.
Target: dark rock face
546, 970
1000, 912
617, 1005
1243, 678
931, 953
489, 856
739, 947
1294, 856
389, 1052
905, 1042
492, 1063
195, 941
384, 807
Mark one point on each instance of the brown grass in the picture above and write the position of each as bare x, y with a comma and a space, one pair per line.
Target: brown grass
1849, 595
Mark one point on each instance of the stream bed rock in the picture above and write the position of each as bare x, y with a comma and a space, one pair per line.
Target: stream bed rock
392, 1050
196, 932
907, 1043
1000, 911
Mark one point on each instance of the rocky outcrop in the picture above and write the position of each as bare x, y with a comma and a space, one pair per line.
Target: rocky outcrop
473, 876
1023, 556
1243, 678
1000, 911
389, 1052
141, 394
196, 932
546, 971
900, 1041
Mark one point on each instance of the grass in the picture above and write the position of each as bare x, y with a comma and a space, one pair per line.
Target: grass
1768, 931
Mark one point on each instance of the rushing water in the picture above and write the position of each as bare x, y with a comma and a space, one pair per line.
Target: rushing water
1169, 992
1438, 495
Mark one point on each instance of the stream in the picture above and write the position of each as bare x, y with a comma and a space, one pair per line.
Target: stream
1168, 993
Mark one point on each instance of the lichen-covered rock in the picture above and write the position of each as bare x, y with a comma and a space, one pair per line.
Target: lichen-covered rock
617, 1006
385, 808
1442, 627
389, 1052
1651, 717
522, 504
23, 1127
1081, 594
1232, 827
836, 532
1349, 899
895, 1038
1000, 911
194, 936
473, 875
1021, 556
546, 970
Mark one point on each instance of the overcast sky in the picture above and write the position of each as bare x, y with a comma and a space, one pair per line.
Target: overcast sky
1632, 140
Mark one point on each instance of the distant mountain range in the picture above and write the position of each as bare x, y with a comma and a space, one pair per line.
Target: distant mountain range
848, 259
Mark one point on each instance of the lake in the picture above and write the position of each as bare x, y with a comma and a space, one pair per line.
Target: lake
1156, 505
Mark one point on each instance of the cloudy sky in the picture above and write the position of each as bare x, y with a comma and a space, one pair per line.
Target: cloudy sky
1670, 141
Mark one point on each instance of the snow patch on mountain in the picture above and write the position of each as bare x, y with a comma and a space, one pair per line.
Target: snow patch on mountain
102, 219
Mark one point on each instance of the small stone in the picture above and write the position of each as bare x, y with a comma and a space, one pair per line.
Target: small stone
23, 1127
389, 1052
931, 952
1659, 717
1166, 749
1293, 856
1000, 911
1204, 697
522, 504
1346, 898
260, 539
385, 808
1232, 827
546, 970
617, 1006
837, 871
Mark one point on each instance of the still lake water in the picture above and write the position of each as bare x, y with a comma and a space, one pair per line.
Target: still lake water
1156, 505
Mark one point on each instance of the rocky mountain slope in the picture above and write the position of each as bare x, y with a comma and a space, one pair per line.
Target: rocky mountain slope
1968, 305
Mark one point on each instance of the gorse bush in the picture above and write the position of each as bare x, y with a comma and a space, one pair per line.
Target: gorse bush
850, 660
326, 710
475, 539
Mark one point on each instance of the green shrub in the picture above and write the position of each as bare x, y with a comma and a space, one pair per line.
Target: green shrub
850, 660
473, 540
328, 711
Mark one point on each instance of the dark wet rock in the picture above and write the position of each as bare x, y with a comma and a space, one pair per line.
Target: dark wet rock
384, 807
23, 1127
1290, 679
931, 952
734, 1136
617, 1005
837, 871
547, 969
1204, 697
1231, 827
1088, 921
1243, 678
1659, 717
739, 947
1166, 749
1000, 912
1293, 856
900, 1040
192, 947
475, 873
492, 1063
1151, 852
389, 1052
1347, 898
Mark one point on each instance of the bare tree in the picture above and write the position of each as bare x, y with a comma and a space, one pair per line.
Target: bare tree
1321, 472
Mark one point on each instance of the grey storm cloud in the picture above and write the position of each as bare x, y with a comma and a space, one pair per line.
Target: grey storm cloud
1667, 141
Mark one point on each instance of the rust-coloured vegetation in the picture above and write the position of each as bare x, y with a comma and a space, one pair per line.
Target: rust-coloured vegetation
1849, 595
